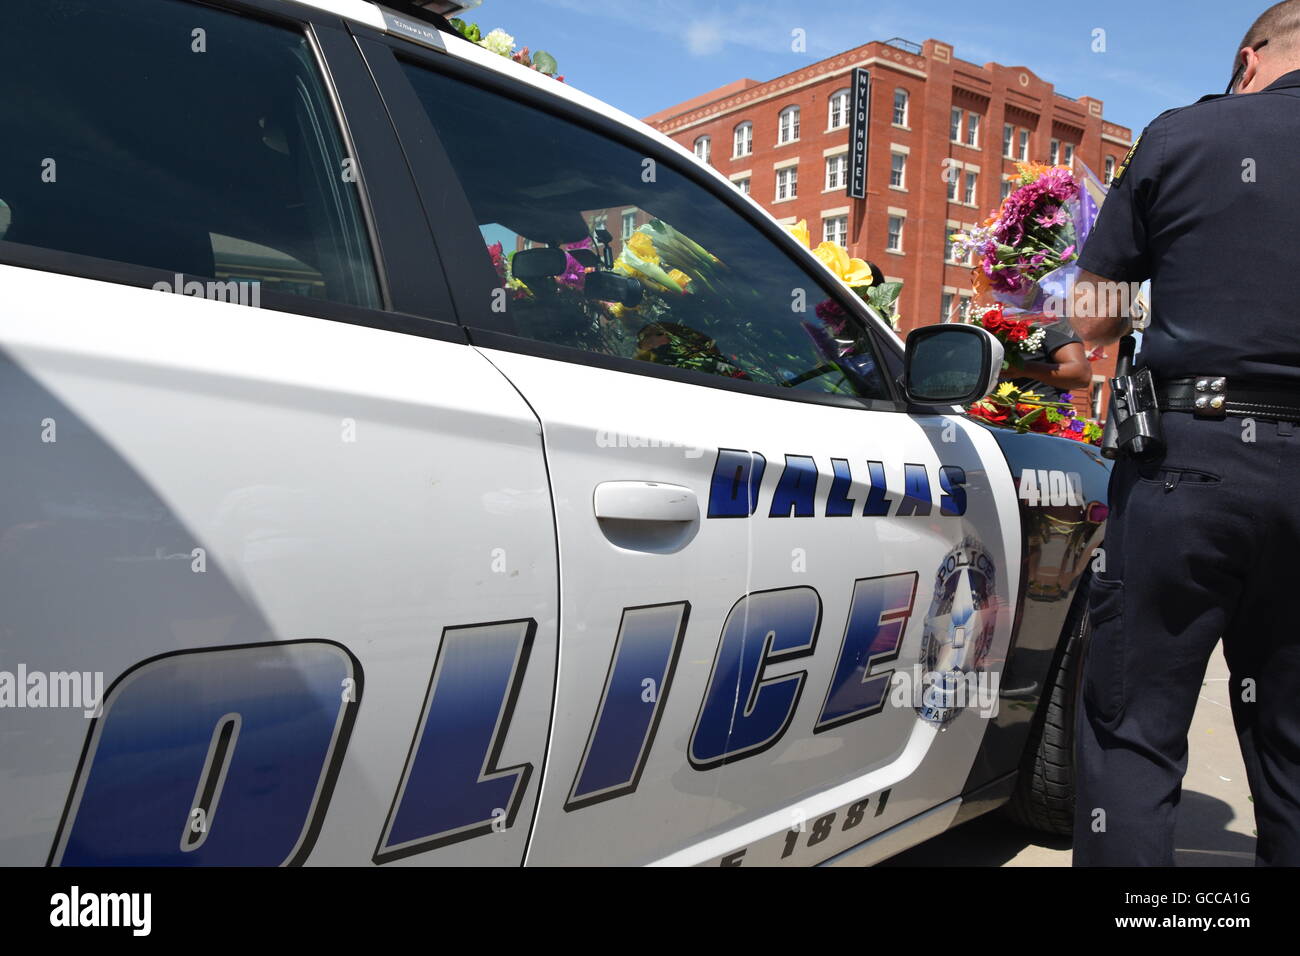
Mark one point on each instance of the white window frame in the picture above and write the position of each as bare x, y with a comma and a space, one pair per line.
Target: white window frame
971, 187
837, 163
787, 179
1024, 145
905, 108
1110, 169
828, 234
843, 100
955, 120
890, 244
742, 139
1054, 153
1069, 156
973, 130
1008, 141
898, 167
706, 154
787, 126
628, 218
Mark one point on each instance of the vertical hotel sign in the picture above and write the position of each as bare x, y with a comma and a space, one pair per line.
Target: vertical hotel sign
861, 113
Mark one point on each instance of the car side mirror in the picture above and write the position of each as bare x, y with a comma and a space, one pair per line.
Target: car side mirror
951, 365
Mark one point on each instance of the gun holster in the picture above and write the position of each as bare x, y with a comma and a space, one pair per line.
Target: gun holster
1133, 428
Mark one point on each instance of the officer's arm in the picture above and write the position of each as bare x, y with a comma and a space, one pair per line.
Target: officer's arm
1101, 310
1117, 257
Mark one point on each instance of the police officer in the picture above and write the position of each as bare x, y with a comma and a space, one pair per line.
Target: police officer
1203, 541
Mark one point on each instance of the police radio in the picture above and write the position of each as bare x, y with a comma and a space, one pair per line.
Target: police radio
1133, 427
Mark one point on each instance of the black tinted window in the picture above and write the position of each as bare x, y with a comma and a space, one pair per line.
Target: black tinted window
599, 247
166, 134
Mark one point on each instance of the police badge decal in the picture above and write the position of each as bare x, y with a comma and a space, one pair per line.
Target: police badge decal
958, 633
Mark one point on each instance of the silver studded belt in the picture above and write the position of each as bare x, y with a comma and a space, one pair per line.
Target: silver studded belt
1215, 396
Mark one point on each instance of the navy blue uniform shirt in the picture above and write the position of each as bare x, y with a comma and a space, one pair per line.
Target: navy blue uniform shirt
1208, 209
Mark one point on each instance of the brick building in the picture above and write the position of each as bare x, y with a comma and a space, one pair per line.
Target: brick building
943, 139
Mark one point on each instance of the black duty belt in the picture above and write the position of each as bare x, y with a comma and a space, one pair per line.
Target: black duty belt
1215, 396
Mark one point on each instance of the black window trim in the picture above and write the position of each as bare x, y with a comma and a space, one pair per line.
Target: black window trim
413, 303
472, 293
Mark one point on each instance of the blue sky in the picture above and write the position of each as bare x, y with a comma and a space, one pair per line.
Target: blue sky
644, 55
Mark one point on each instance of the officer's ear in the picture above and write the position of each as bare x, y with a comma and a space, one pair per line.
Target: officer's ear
1248, 60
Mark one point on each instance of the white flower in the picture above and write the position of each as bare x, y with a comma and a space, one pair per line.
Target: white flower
1034, 342
499, 42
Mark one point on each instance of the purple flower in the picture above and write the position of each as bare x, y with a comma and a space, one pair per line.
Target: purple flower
1053, 218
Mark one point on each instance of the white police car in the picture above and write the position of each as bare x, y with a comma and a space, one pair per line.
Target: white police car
434, 465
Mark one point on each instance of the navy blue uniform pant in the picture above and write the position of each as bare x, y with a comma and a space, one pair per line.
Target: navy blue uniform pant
1200, 545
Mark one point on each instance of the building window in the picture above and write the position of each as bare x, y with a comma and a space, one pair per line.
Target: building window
788, 130
1069, 155
1054, 153
743, 185
787, 183
949, 249
836, 230
704, 148
838, 110
954, 127
743, 140
972, 181
973, 129
1024, 145
1008, 136
963, 309
895, 234
837, 171
953, 175
898, 170
900, 107
629, 225
1006, 188
945, 307
1110, 169
599, 221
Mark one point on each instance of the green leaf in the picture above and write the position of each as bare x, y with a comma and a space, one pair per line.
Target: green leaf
543, 62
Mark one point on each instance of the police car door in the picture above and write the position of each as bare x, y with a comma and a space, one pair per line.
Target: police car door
301, 534
751, 532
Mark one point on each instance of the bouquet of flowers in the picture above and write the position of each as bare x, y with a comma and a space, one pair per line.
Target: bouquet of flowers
503, 44
857, 274
1025, 411
1019, 337
1028, 248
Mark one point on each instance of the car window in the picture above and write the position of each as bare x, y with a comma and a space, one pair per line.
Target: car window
179, 137
601, 248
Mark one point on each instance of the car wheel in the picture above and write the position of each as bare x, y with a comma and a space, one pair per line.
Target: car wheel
1044, 795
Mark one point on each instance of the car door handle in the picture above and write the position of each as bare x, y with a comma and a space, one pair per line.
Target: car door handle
645, 501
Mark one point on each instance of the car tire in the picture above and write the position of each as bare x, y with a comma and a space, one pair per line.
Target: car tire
1044, 795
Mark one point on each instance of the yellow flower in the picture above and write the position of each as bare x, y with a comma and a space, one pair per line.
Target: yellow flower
800, 231
681, 278
854, 272
1005, 389
644, 248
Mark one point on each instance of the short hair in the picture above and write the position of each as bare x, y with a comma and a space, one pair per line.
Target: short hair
1279, 25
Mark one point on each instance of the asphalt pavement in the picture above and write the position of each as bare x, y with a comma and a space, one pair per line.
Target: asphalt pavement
1216, 823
